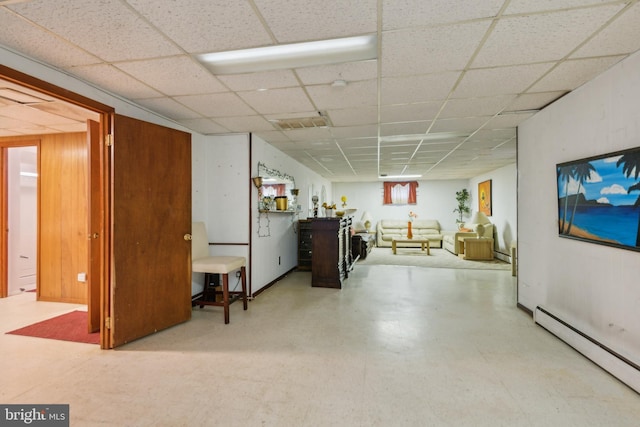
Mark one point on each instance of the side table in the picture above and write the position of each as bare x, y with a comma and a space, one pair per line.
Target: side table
473, 248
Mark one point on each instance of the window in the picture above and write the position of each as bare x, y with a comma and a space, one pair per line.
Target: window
400, 193
273, 190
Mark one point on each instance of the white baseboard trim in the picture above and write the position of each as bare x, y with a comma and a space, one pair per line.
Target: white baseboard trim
625, 370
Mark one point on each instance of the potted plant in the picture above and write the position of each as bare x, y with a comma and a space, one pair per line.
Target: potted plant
462, 197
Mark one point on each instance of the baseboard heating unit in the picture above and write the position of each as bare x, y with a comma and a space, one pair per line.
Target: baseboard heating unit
617, 365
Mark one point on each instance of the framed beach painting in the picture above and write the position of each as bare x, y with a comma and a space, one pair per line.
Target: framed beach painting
484, 197
599, 199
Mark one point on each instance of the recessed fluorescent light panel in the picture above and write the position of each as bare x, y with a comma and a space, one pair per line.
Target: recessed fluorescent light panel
398, 176
424, 137
296, 55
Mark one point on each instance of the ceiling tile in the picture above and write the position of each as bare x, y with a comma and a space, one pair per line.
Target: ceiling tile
534, 101
449, 49
573, 73
408, 89
406, 128
114, 80
467, 124
217, 105
354, 116
528, 6
358, 94
415, 13
621, 36
310, 134
540, 38
304, 20
475, 107
204, 126
39, 44
262, 80
349, 71
108, 29
274, 136
410, 112
508, 121
18, 111
245, 123
277, 101
499, 81
368, 131
177, 75
201, 26
168, 107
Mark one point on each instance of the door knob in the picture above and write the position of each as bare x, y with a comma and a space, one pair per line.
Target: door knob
187, 237
94, 236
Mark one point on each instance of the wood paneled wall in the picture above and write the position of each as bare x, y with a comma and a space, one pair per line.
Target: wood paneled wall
63, 216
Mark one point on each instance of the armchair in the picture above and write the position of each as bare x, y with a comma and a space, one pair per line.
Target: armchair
450, 238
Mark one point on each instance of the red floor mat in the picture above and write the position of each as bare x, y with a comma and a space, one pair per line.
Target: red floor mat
67, 327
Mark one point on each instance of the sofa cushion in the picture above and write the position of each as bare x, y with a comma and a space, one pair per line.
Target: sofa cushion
389, 229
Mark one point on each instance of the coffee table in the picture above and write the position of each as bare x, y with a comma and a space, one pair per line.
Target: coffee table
424, 243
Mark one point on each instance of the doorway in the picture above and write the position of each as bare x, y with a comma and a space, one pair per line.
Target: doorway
22, 189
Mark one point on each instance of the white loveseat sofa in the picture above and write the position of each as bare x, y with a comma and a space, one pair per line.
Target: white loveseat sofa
388, 229
450, 238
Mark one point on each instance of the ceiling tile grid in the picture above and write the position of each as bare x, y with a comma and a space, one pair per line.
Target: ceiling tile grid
477, 69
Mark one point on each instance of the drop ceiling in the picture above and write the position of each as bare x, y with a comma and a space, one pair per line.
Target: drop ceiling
462, 74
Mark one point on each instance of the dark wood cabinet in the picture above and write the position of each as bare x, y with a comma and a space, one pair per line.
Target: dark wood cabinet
331, 257
304, 244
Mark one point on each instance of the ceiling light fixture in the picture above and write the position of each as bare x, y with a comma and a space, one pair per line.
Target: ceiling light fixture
383, 176
295, 55
424, 137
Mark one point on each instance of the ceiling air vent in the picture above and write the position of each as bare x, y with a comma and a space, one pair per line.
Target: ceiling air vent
320, 121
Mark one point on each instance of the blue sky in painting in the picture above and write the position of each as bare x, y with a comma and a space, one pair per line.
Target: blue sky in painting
607, 184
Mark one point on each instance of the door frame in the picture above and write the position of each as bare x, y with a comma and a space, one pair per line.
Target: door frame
98, 262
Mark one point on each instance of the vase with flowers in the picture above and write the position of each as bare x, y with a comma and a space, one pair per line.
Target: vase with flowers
412, 216
344, 201
328, 209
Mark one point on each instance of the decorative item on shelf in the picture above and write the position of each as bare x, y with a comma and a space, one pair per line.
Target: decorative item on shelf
366, 220
344, 201
412, 216
479, 219
315, 199
257, 181
266, 203
294, 198
281, 203
328, 209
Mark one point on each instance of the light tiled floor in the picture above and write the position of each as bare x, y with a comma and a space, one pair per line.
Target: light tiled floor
397, 346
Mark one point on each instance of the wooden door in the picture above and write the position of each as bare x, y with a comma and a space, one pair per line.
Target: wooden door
150, 258
95, 273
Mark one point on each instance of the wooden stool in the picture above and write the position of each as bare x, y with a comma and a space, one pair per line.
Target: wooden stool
202, 262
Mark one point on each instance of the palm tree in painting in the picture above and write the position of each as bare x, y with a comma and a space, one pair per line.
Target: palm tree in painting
631, 166
581, 172
564, 175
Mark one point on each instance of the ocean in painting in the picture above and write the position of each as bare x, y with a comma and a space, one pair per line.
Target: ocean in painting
618, 223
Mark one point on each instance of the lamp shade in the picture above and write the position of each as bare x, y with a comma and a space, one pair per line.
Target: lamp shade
257, 181
366, 219
479, 218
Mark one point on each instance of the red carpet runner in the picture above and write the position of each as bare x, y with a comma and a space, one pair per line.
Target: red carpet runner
67, 327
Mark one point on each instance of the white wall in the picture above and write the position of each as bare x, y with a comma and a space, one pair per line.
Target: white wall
437, 200
592, 287
504, 206
276, 253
